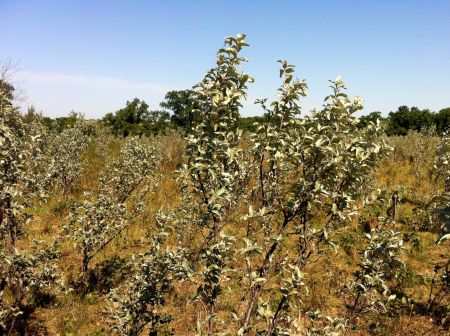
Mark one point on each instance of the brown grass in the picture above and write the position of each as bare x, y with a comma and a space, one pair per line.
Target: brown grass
73, 315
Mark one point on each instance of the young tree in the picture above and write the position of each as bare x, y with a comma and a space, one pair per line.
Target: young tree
301, 179
311, 173
153, 274
213, 164
64, 162
8, 86
380, 263
7, 89
15, 162
23, 275
97, 222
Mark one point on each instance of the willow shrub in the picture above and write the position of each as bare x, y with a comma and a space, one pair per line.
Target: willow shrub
301, 178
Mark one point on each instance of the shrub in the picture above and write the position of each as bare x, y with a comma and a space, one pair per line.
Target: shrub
380, 263
97, 222
23, 275
138, 304
310, 176
64, 164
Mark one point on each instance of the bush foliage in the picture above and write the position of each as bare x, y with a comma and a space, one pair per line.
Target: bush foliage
211, 230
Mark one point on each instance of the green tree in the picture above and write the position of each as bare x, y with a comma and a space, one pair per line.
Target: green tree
442, 120
249, 124
405, 119
127, 119
182, 104
371, 117
57, 125
158, 122
136, 119
62, 123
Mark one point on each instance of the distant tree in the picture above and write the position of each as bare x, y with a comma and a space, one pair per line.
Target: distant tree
56, 125
248, 124
371, 117
62, 123
442, 120
127, 119
157, 122
405, 119
136, 119
181, 104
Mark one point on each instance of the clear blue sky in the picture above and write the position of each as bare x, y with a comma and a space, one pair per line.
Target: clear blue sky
91, 56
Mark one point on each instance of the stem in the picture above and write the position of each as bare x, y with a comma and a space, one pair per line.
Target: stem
85, 265
271, 329
11, 239
206, 201
255, 290
211, 320
261, 181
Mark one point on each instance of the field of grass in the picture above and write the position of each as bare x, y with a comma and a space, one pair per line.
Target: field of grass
70, 313
305, 226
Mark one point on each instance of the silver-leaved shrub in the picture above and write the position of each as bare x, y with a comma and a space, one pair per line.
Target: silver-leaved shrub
101, 218
24, 275
301, 178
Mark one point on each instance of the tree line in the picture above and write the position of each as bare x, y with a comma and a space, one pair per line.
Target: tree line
178, 111
407, 119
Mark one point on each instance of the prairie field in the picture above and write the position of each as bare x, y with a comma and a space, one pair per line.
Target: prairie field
300, 224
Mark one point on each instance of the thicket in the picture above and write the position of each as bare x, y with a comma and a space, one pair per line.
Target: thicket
407, 119
178, 112
304, 225
137, 119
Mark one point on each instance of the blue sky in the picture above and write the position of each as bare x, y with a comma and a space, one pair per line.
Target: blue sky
92, 56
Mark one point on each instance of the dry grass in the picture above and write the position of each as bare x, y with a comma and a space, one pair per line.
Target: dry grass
73, 315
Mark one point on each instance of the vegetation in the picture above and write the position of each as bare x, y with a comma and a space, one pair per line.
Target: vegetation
182, 105
136, 119
414, 119
304, 224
